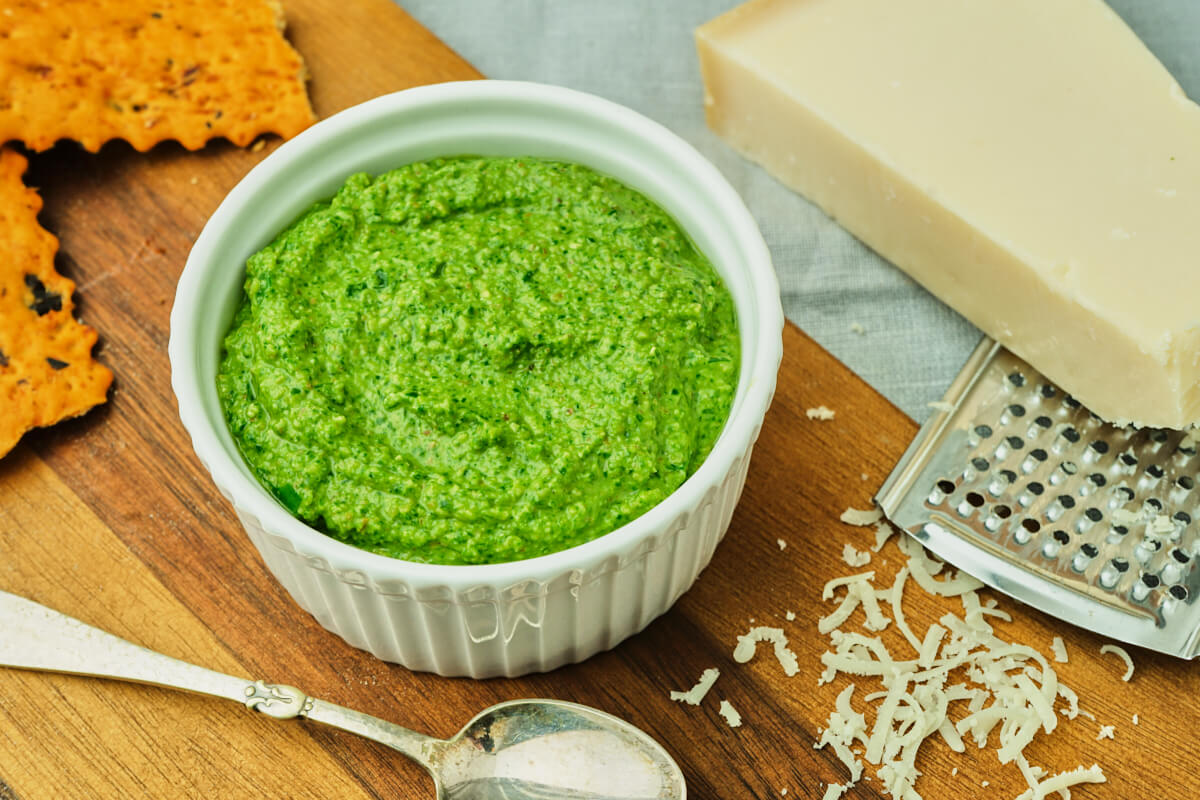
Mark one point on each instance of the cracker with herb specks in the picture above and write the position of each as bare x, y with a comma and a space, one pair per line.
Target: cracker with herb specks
46, 369
147, 71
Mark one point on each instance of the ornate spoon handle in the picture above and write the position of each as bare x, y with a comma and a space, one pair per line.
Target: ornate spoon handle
38, 638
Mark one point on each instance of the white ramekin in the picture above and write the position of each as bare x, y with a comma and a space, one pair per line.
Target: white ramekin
498, 619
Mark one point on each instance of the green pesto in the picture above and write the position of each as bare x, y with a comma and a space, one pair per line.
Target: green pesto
476, 360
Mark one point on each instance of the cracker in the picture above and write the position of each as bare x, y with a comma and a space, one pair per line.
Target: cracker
46, 369
147, 71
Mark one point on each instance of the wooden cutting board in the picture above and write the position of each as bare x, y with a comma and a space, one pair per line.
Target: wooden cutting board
112, 519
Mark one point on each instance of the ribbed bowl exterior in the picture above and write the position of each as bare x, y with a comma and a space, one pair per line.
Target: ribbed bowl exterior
496, 619
492, 630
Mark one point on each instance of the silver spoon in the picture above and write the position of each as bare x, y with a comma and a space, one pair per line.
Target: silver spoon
520, 750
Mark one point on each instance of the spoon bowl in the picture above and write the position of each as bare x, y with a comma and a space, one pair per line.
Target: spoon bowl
547, 749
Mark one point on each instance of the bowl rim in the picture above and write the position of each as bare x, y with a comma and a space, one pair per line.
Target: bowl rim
734, 441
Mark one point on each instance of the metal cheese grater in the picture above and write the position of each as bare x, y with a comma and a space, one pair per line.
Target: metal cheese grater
1024, 488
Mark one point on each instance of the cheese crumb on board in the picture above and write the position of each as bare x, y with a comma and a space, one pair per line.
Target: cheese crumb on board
834, 790
694, 695
747, 644
1136, 719
857, 327
1121, 653
730, 714
820, 413
1059, 648
940, 405
1106, 732
855, 558
782, 544
790, 616
861, 518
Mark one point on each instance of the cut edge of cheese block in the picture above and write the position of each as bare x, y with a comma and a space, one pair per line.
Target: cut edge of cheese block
1121, 376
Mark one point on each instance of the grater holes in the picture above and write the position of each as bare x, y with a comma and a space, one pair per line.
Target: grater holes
1088, 519
1141, 589
1034, 460
998, 514
1182, 516
1095, 451
1180, 556
975, 499
1008, 445
1110, 574
1084, 557
1055, 543
1000, 482
1016, 379
1047, 391
1025, 531
1071, 402
1158, 436
1017, 410
1097, 479
1178, 592
1062, 472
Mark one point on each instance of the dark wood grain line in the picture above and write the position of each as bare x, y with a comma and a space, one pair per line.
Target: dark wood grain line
7, 792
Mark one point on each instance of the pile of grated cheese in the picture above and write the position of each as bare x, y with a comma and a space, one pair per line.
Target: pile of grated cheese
1009, 689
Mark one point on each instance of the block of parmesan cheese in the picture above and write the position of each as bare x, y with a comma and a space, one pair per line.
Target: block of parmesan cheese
1029, 161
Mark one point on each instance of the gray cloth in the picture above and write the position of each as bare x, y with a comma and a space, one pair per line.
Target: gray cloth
640, 53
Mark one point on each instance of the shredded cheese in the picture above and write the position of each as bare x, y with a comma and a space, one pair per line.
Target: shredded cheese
1121, 653
1064, 780
883, 532
1010, 689
857, 327
747, 644
861, 518
820, 413
1106, 732
940, 405
782, 544
694, 695
835, 790
855, 558
730, 714
1059, 648
1136, 720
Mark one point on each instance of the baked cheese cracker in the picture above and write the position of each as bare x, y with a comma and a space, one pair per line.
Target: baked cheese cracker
46, 369
146, 71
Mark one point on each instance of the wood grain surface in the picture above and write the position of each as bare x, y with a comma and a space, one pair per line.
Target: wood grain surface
112, 519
